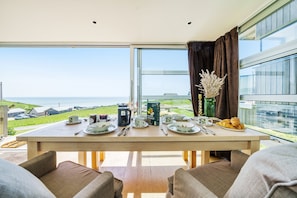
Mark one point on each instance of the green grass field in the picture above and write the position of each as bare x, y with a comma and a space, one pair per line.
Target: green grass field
83, 113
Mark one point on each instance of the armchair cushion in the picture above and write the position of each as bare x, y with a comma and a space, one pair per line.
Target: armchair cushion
267, 173
16, 182
217, 177
100, 185
185, 185
71, 179
81, 176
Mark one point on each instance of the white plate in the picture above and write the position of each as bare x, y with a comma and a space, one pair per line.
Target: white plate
172, 127
230, 129
71, 123
110, 129
137, 127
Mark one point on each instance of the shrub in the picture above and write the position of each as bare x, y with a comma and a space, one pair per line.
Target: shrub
11, 131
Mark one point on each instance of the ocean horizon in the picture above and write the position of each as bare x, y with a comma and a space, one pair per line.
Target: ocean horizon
69, 101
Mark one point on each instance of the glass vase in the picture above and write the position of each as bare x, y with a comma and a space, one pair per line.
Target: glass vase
210, 107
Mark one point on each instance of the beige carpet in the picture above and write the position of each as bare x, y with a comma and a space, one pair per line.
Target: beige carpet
15, 157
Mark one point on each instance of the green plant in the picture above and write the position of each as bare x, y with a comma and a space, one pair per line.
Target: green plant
11, 131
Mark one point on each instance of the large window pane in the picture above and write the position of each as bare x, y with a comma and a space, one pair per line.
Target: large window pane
163, 76
165, 84
268, 74
273, 77
29, 74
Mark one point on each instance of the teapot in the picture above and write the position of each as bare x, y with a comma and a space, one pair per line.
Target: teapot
124, 115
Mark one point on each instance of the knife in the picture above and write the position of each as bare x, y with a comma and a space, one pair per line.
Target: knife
164, 131
209, 131
121, 132
125, 131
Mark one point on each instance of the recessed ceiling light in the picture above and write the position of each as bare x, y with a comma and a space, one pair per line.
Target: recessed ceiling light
189, 23
94, 22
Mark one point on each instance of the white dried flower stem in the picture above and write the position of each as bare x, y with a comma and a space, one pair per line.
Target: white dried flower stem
210, 84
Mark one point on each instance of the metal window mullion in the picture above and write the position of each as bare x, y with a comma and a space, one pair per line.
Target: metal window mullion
139, 80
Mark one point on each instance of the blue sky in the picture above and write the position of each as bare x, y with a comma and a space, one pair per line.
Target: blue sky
87, 72
65, 72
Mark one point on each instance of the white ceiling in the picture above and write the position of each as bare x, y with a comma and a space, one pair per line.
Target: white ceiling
122, 21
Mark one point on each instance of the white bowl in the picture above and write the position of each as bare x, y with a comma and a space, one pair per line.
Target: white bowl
178, 117
184, 127
99, 127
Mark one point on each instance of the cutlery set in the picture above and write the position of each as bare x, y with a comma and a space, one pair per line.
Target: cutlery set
207, 131
124, 131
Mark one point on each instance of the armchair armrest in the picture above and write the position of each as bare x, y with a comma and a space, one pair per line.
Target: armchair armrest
101, 186
42, 164
185, 185
238, 159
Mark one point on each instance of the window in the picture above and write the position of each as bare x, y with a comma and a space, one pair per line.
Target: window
162, 74
268, 73
65, 76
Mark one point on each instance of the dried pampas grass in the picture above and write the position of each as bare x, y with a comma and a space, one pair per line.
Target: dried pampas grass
210, 84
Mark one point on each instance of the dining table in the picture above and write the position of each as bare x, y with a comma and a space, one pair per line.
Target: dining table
61, 136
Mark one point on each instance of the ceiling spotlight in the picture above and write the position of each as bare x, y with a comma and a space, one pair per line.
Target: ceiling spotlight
189, 23
94, 22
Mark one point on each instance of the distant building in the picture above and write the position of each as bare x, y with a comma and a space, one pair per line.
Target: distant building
15, 112
40, 111
44, 111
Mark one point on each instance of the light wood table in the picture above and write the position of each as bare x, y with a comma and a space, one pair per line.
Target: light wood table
60, 137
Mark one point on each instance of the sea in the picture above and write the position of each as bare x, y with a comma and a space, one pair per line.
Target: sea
70, 101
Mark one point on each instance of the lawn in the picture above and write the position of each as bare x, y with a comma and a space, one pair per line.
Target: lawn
83, 113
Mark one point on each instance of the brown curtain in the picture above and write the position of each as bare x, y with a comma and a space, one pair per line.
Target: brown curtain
226, 62
200, 56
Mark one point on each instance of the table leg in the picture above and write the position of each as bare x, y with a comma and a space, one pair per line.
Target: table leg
82, 157
205, 157
32, 149
102, 156
185, 155
255, 146
94, 160
193, 159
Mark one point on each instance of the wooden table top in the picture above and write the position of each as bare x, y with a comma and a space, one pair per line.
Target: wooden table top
61, 132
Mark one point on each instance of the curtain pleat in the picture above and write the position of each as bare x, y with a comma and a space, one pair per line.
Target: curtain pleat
226, 62
200, 56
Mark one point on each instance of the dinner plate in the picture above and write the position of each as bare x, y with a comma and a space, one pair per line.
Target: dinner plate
230, 129
140, 127
172, 127
110, 129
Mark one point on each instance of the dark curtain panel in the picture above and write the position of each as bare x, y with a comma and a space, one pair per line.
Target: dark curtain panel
200, 56
226, 62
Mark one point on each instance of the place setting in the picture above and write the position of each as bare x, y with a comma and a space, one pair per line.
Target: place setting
72, 120
139, 122
183, 128
100, 128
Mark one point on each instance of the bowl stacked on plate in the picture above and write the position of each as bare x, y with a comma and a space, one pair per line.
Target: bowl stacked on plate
99, 127
184, 126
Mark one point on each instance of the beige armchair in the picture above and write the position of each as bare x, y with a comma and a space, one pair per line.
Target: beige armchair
270, 172
41, 177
